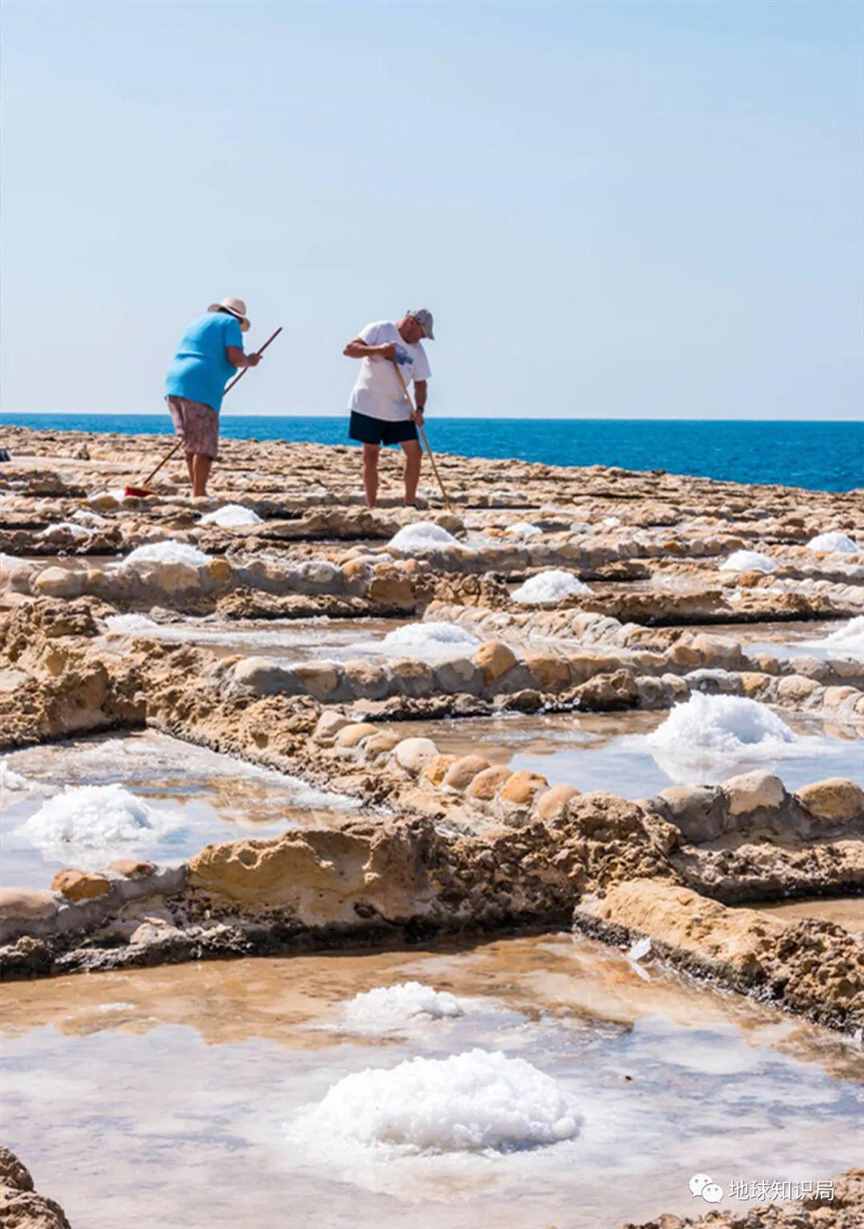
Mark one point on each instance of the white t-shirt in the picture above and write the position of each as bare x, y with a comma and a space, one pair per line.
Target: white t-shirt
378, 393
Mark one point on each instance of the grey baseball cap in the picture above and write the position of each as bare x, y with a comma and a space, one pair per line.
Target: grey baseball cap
424, 319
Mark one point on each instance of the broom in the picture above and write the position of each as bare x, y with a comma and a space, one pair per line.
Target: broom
423, 438
142, 492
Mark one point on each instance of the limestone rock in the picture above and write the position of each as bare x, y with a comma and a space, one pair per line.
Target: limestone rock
522, 787
132, 868
380, 744
59, 582
13, 1173
26, 903
550, 671
551, 803
834, 799
460, 774
328, 726
753, 791
495, 660
437, 768
351, 735
485, 784
80, 885
413, 754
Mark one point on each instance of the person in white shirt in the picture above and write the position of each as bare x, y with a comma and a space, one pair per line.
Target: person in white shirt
380, 411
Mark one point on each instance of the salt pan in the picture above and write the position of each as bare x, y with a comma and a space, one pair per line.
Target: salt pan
546, 588
231, 516
748, 561
166, 552
388, 1007
471, 1102
423, 535
839, 543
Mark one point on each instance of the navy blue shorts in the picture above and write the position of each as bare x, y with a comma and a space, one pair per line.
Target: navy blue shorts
375, 431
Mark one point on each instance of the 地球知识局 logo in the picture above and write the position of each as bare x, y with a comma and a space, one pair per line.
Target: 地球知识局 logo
702, 1186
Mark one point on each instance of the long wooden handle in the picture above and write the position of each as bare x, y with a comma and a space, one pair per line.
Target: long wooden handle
423, 438
241, 374
228, 388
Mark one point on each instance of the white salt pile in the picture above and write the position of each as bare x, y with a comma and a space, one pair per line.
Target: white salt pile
523, 529
62, 529
424, 638
166, 552
471, 1102
725, 725
838, 543
546, 588
86, 517
421, 536
95, 819
848, 639
388, 1007
748, 561
131, 625
231, 516
11, 782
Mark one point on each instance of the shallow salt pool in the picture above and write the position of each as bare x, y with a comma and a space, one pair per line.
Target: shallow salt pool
154, 797
225, 1101
617, 752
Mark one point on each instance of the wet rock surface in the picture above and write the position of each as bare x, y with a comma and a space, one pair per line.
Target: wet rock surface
21, 1207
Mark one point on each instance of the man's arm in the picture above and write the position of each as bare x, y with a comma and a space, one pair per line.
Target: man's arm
360, 349
237, 358
420, 393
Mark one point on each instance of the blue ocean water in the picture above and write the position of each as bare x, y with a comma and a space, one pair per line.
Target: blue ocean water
823, 456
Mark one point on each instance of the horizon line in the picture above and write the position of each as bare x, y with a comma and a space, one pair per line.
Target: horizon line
433, 418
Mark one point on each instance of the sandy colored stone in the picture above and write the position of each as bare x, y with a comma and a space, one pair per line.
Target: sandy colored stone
367, 680
485, 784
522, 787
413, 754
80, 885
350, 735
753, 791
550, 671
13, 1172
329, 725
26, 903
550, 804
495, 660
460, 774
437, 768
132, 868
220, 571
834, 799
59, 582
380, 744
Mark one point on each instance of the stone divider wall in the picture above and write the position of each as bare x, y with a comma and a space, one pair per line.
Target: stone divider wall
591, 681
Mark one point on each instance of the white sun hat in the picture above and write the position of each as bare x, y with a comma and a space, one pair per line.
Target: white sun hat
236, 307
424, 318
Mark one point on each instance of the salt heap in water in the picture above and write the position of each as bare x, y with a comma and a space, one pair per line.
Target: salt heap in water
95, 818
422, 536
11, 781
748, 561
166, 552
724, 725
231, 516
848, 639
839, 543
546, 588
430, 638
388, 1007
131, 625
469, 1102
523, 529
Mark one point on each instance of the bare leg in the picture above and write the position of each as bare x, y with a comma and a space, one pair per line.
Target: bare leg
190, 465
371, 453
200, 473
413, 457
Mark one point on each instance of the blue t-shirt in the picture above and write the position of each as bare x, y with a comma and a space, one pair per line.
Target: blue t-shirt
201, 369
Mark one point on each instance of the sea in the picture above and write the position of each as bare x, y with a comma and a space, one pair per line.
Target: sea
821, 456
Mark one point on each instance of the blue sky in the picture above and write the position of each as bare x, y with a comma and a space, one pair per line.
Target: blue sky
626, 208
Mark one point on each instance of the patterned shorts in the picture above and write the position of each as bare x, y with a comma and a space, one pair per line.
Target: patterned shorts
197, 424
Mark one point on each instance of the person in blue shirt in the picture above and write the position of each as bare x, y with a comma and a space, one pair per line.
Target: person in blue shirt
209, 353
